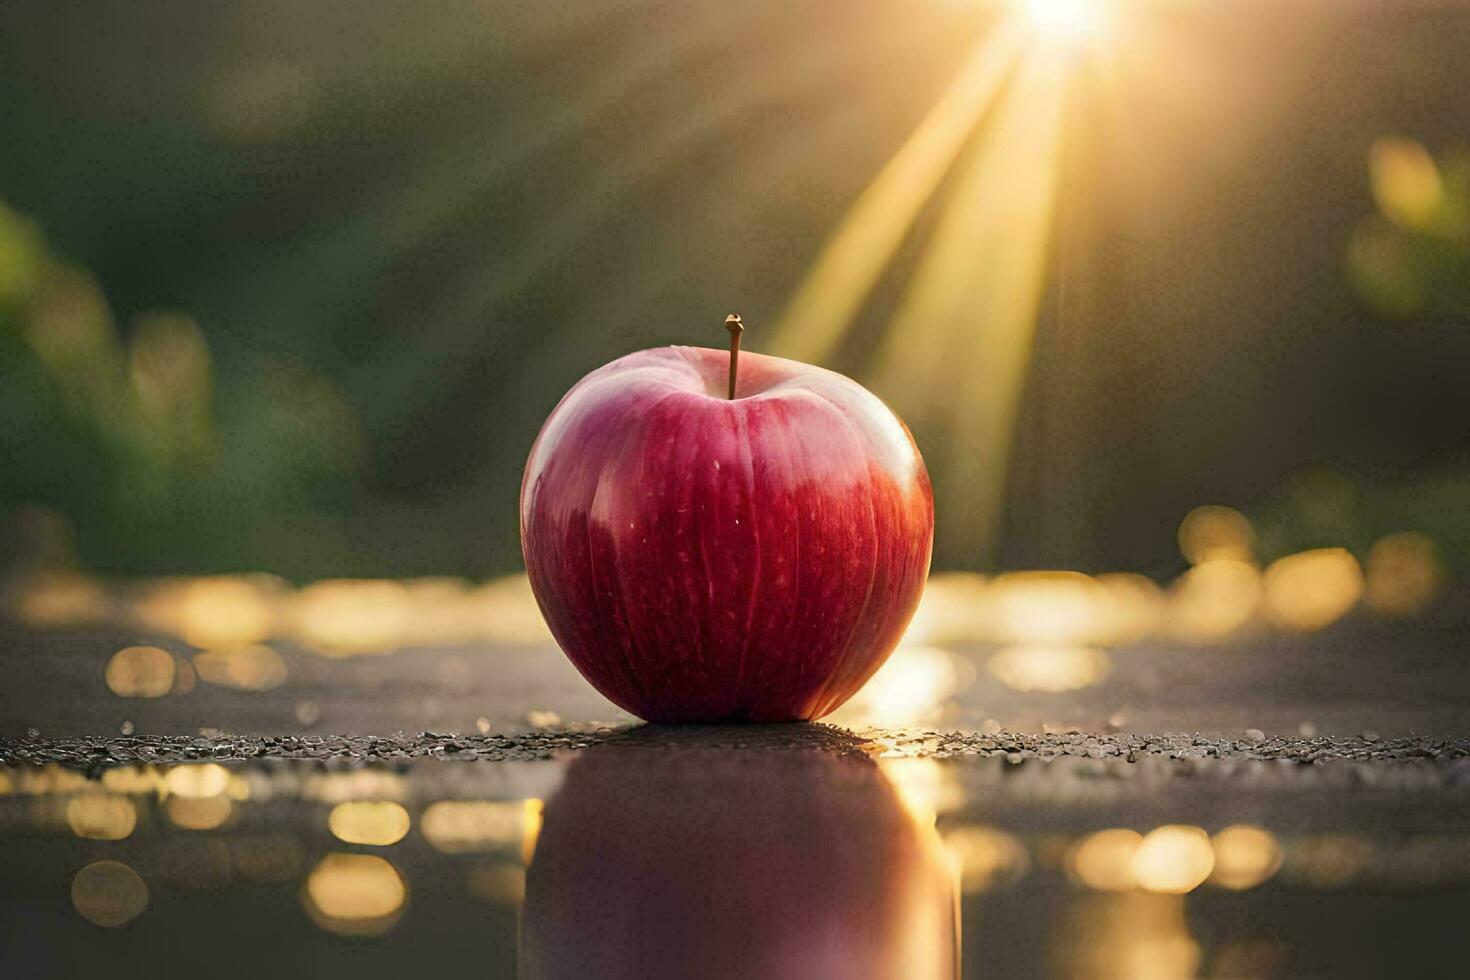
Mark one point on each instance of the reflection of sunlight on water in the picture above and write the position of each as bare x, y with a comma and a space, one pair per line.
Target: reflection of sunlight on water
1104, 861
1049, 668
363, 784
1312, 589
1404, 575
924, 787
108, 894
1135, 935
1325, 861
912, 687
354, 894
198, 813
247, 668
101, 817
987, 858
378, 823
466, 826
498, 884
1173, 859
197, 782
50, 779
140, 672
1245, 856
531, 819
133, 779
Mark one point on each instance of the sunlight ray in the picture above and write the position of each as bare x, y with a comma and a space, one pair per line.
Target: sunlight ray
964, 326
821, 311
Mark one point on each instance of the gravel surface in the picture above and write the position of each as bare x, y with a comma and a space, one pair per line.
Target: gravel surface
97, 753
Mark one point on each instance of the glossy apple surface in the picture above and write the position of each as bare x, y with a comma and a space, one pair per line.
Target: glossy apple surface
701, 558
792, 862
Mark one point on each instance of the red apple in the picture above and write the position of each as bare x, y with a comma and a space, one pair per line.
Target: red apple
701, 557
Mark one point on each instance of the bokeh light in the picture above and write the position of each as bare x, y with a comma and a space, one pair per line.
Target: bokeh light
377, 823
1245, 856
1312, 589
341, 617
108, 894
1049, 669
1047, 607
465, 826
988, 858
1216, 532
248, 668
198, 813
140, 672
1130, 608
1213, 600
1173, 859
227, 611
1406, 182
1103, 861
197, 782
953, 609
99, 816
1404, 576
354, 894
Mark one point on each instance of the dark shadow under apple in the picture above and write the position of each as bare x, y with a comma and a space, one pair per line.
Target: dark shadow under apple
747, 851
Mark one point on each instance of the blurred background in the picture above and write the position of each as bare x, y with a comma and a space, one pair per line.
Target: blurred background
1174, 295
290, 288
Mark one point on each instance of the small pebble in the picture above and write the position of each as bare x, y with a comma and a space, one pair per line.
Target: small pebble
482, 724
1307, 729
127, 728
1253, 735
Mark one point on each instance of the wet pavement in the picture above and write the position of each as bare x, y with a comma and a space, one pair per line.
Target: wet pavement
1282, 806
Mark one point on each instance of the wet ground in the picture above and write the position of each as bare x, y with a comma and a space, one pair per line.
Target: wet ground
1281, 806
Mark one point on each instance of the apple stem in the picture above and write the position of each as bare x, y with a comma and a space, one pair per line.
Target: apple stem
736, 328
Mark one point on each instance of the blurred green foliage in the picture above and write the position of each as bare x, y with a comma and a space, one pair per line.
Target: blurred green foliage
1411, 259
126, 434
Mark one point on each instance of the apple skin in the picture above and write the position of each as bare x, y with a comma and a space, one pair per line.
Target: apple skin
702, 559
779, 861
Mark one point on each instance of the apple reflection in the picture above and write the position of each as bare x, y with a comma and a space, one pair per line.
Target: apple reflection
659, 858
